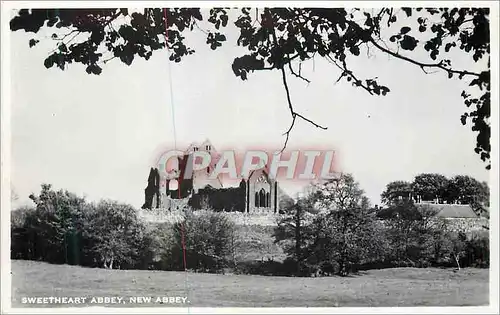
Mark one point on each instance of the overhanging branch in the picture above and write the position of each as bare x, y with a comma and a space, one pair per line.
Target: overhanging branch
285, 84
422, 65
292, 111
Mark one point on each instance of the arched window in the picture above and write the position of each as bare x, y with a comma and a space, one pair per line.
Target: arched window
256, 199
268, 200
262, 198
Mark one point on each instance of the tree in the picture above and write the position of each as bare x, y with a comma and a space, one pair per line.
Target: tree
293, 230
458, 247
21, 244
467, 190
411, 231
285, 202
282, 39
430, 186
114, 234
346, 230
395, 191
55, 226
207, 241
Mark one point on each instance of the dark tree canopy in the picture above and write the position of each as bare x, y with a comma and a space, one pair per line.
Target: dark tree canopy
467, 190
461, 189
281, 39
395, 191
429, 186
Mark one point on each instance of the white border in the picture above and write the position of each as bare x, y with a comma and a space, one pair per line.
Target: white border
493, 308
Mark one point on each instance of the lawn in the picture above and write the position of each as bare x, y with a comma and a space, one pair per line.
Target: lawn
387, 287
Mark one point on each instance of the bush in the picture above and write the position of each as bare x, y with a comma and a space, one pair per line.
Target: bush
64, 228
21, 245
50, 231
209, 241
477, 252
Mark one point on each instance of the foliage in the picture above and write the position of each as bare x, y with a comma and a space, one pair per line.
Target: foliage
65, 228
461, 189
208, 241
332, 230
410, 231
467, 190
477, 252
340, 235
52, 231
285, 202
21, 241
224, 199
292, 231
279, 38
428, 186
114, 234
395, 191
346, 232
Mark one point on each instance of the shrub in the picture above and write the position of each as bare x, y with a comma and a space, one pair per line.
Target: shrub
477, 252
21, 246
114, 236
209, 241
64, 228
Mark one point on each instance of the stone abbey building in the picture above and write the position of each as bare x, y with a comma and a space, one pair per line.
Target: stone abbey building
258, 193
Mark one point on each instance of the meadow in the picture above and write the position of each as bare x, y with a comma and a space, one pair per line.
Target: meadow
373, 288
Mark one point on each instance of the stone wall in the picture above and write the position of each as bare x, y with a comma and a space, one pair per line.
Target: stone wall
467, 225
239, 218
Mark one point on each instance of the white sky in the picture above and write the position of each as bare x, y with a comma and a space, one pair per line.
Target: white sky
98, 135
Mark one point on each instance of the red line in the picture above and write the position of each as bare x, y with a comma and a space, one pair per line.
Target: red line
166, 25
182, 224
183, 243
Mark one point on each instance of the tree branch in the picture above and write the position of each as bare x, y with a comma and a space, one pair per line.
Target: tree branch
292, 111
421, 64
285, 84
346, 71
298, 75
113, 17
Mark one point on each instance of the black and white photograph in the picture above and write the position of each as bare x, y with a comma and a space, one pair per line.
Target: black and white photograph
249, 156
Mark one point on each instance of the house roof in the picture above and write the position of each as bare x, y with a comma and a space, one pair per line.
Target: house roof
451, 210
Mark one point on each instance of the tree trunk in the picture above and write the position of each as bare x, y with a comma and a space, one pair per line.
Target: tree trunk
297, 239
456, 259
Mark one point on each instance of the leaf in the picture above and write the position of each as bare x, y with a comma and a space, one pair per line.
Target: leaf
224, 19
127, 58
408, 43
33, 42
63, 48
197, 14
220, 37
463, 118
49, 61
447, 47
434, 54
407, 11
405, 29
354, 50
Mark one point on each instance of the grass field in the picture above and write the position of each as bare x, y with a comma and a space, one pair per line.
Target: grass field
388, 287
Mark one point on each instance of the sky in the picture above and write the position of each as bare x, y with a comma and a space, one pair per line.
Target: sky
98, 136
